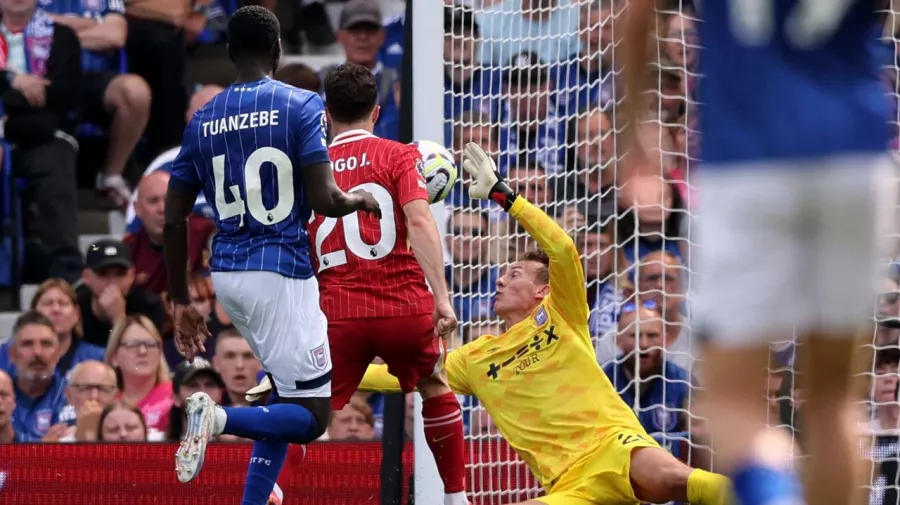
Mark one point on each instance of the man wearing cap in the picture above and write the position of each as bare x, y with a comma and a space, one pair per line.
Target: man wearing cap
111, 294
361, 34
529, 121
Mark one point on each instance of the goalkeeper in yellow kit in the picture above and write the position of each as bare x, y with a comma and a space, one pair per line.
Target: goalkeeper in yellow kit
541, 383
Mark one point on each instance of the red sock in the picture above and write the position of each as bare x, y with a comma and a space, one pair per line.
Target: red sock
442, 418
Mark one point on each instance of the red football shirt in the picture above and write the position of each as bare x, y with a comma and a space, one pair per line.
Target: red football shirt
365, 266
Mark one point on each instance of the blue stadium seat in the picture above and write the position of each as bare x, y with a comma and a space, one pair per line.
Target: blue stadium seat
11, 238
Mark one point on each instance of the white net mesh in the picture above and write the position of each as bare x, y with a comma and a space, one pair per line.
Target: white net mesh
535, 83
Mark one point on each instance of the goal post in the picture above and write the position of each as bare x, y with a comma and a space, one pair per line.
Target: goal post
428, 113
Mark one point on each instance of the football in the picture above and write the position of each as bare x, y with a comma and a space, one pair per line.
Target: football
439, 169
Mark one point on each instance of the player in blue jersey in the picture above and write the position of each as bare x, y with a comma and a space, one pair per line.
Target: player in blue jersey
258, 151
794, 133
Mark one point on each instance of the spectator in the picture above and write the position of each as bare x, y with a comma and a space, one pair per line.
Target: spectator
885, 409
146, 244
588, 79
122, 422
887, 313
164, 162
92, 386
361, 35
354, 422
235, 361
665, 388
590, 177
602, 263
39, 98
529, 123
190, 378
117, 102
135, 351
652, 219
156, 52
774, 395
56, 299
472, 126
111, 293
301, 76
8, 433
39, 390
471, 275
467, 86
471, 331
682, 42
547, 28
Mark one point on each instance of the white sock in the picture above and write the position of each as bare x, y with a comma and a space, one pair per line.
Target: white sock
219, 418
456, 499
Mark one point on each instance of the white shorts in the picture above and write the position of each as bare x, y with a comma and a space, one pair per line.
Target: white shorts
790, 246
281, 320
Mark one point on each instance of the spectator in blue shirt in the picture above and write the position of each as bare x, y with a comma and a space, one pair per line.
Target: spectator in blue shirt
654, 210
472, 126
8, 434
471, 275
590, 176
116, 102
39, 390
588, 78
467, 85
391, 53
601, 261
529, 119
361, 35
642, 375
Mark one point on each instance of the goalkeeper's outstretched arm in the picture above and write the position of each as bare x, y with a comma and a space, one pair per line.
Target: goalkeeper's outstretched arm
567, 288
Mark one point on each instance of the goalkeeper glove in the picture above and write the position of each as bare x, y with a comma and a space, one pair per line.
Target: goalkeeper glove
487, 183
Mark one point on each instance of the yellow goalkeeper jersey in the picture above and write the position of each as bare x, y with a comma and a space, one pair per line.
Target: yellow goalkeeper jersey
540, 380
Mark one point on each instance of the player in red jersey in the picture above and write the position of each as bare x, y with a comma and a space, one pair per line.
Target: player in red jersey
372, 272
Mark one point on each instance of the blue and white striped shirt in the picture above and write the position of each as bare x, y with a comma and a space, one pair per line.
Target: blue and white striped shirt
246, 150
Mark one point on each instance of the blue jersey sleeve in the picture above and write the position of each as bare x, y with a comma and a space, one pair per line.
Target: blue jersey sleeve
184, 170
313, 132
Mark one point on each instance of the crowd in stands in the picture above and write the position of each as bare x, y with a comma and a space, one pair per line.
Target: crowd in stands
533, 81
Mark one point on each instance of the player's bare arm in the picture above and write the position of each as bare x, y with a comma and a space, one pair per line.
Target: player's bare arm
636, 47
426, 245
190, 327
327, 199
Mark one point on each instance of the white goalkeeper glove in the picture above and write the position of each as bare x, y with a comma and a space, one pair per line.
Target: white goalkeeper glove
487, 183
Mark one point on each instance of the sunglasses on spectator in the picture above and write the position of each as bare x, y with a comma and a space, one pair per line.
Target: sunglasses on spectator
100, 388
631, 307
133, 346
475, 232
890, 297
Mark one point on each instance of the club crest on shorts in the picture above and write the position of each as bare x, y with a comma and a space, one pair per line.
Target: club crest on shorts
319, 357
541, 317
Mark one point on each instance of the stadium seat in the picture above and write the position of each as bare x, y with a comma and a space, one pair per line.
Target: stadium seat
26, 294
7, 320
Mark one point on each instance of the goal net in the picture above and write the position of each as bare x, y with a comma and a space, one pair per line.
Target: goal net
535, 82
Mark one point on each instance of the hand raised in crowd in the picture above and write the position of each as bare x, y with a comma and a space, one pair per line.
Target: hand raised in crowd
87, 421
112, 303
570, 220
190, 331
34, 88
56, 433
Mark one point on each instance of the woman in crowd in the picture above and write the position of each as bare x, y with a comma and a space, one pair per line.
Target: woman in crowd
56, 299
135, 352
122, 422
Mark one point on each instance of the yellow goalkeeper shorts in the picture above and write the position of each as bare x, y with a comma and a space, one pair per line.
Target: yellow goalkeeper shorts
601, 477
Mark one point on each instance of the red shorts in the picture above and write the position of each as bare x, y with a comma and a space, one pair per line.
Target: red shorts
408, 345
